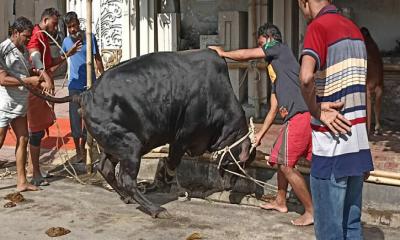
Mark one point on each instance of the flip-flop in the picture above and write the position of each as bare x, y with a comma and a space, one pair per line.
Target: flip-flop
40, 182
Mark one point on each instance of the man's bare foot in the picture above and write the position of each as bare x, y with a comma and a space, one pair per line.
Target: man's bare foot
274, 206
27, 187
304, 220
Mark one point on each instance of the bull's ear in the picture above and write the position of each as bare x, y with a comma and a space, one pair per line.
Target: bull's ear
245, 151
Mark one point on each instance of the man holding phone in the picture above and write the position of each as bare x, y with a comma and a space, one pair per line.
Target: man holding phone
77, 82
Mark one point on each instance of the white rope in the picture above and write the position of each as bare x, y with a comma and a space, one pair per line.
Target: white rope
62, 51
7, 174
223, 152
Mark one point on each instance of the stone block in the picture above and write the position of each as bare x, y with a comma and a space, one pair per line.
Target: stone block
208, 40
232, 32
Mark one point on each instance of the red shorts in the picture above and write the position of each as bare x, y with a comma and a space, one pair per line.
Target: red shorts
294, 141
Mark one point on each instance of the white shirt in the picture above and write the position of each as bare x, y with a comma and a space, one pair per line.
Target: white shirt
14, 100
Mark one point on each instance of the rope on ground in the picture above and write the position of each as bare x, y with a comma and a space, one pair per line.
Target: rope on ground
74, 174
7, 174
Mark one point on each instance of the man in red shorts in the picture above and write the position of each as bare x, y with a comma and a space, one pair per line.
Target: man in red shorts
294, 140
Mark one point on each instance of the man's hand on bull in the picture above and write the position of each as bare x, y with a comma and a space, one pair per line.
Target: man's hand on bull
33, 80
218, 49
330, 116
46, 82
47, 87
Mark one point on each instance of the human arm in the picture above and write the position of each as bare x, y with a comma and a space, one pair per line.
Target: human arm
240, 54
99, 63
7, 80
269, 119
326, 112
97, 57
75, 48
47, 82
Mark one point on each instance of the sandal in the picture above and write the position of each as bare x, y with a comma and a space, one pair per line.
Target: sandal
39, 182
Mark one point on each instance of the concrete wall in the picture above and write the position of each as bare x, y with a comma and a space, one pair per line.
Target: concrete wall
6, 18
200, 17
381, 17
30, 9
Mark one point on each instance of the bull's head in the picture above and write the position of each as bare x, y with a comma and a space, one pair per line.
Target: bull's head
241, 153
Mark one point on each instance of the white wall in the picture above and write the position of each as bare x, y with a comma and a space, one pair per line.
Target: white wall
380, 17
109, 19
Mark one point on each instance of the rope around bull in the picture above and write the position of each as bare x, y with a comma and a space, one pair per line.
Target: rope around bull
245, 175
223, 152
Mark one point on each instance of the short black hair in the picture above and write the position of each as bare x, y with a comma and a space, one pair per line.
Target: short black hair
70, 16
21, 24
365, 31
269, 30
50, 12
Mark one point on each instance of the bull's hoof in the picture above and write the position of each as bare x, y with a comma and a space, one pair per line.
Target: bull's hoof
163, 214
127, 200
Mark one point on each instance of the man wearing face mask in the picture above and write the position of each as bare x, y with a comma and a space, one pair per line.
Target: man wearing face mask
40, 115
77, 77
294, 140
333, 75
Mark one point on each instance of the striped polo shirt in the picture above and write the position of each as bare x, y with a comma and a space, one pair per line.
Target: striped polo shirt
338, 48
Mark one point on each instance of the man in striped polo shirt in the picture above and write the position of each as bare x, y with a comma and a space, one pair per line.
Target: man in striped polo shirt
333, 75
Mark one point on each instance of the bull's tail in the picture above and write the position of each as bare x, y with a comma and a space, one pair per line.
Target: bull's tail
72, 98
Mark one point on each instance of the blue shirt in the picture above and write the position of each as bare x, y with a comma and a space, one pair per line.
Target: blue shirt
77, 64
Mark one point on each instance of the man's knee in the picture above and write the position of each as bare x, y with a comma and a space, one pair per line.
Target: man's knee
23, 141
371, 88
286, 170
379, 91
35, 138
2, 138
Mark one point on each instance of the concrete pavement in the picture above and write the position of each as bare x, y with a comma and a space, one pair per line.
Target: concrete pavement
91, 212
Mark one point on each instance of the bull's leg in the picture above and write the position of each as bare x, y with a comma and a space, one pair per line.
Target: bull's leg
176, 153
166, 174
369, 108
172, 162
377, 109
126, 178
106, 168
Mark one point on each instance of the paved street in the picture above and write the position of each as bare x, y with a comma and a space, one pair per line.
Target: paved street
92, 212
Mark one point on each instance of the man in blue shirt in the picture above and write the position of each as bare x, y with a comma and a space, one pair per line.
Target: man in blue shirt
77, 76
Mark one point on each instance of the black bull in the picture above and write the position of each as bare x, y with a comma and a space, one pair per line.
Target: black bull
184, 99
